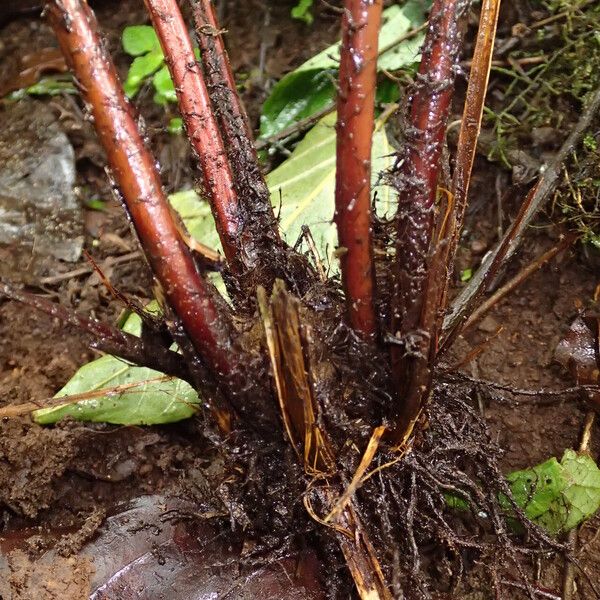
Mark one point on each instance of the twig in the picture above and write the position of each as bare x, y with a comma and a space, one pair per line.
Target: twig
463, 305
134, 169
561, 15
200, 123
537, 591
540, 393
85, 270
295, 128
414, 311
147, 353
356, 111
16, 410
518, 279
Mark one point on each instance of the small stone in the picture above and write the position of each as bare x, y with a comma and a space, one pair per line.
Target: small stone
488, 325
545, 136
40, 218
478, 246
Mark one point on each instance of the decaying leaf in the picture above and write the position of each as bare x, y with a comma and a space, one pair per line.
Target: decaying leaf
579, 353
281, 320
31, 67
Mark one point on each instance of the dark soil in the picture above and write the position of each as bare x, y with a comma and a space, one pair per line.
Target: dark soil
59, 485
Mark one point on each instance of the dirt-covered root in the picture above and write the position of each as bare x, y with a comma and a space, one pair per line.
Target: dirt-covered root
437, 513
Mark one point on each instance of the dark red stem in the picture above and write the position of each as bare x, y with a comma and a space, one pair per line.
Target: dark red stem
259, 227
356, 106
134, 170
414, 316
200, 123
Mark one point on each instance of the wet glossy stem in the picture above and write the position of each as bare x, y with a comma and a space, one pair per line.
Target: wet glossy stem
259, 226
356, 105
200, 123
106, 338
416, 178
133, 167
469, 130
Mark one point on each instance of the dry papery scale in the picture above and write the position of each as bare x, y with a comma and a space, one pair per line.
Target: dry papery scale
322, 398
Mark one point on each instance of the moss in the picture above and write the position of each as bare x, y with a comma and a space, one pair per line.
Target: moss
553, 70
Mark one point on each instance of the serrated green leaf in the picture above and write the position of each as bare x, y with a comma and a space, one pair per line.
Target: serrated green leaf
139, 39
311, 87
150, 403
141, 68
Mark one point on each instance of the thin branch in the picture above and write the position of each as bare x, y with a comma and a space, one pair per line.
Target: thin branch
106, 338
134, 169
463, 305
111, 261
200, 123
356, 111
414, 311
17, 410
518, 279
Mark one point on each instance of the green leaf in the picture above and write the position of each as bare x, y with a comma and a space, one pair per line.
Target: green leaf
150, 403
141, 68
558, 496
303, 187
397, 21
298, 95
302, 11
466, 275
163, 84
310, 88
196, 215
302, 191
175, 126
47, 86
387, 92
95, 204
139, 39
